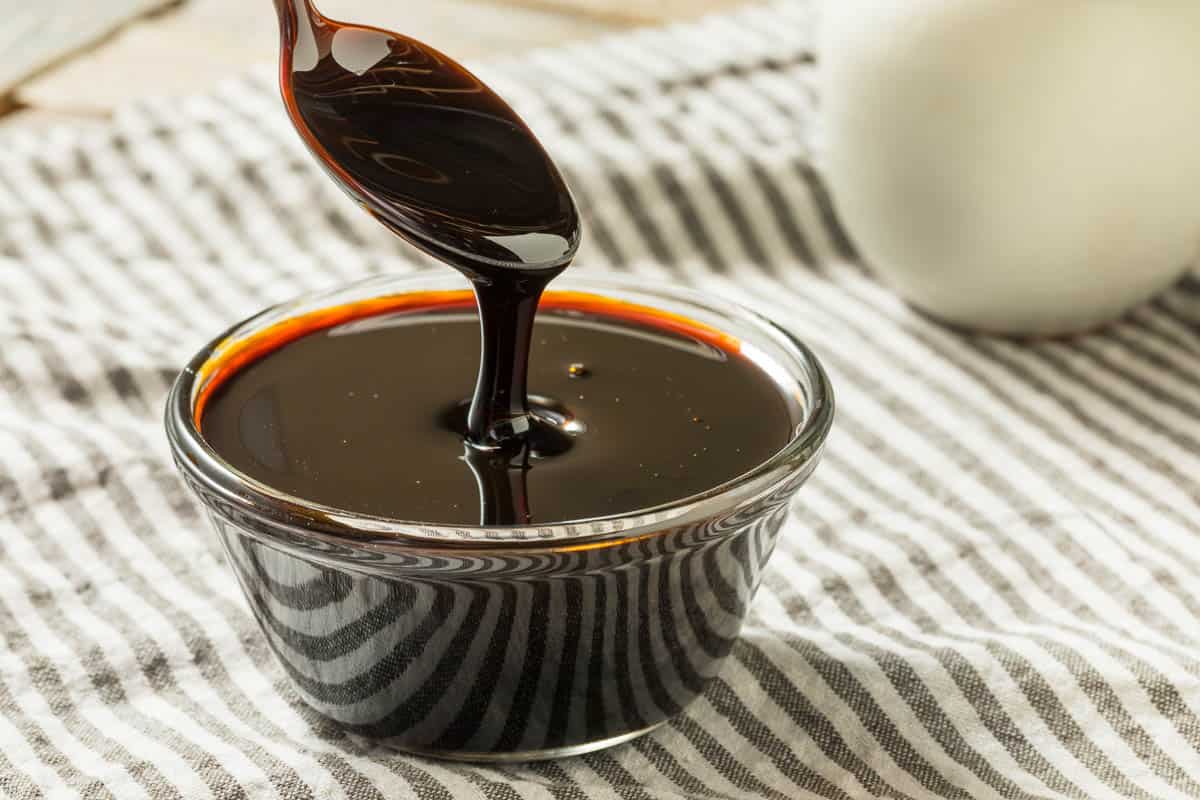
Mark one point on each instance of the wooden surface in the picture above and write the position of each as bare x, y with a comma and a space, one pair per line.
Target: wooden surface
38, 34
193, 46
641, 11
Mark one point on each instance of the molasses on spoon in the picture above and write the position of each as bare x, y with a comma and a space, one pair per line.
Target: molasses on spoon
440, 159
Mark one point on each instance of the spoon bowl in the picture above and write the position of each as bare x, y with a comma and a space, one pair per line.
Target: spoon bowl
445, 163
424, 145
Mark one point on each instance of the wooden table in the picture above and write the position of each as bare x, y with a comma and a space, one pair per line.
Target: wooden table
189, 46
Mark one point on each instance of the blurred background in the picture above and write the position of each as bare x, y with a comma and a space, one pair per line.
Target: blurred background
74, 60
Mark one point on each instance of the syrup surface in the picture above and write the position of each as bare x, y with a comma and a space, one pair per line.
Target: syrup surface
652, 409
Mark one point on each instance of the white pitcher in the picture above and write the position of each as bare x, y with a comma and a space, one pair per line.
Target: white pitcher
1017, 166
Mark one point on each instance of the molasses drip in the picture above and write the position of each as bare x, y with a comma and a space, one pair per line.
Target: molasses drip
441, 160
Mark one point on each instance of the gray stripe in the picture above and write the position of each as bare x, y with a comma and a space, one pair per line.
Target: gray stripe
424, 784
817, 189
105, 678
669, 766
1159, 319
909, 685
247, 178
43, 231
726, 194
1057, 719
675, 193
16, 783
200, 296
564, 787
1144, 343
35, 735
154, 664
1177, 307
492, 789
843, 681
725, 197
81, 275
1094, 388
1011, 398
972, 685
803, 713
48, 682
640, 219
967, 550
1097, 689
594, 223
226, 206
617, 777
740, 774
122, 150
947, 443
1029, 562
123, 499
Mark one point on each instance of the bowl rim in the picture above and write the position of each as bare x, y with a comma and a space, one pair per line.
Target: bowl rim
297, 522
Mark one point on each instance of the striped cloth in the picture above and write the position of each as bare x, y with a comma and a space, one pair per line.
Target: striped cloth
989, 589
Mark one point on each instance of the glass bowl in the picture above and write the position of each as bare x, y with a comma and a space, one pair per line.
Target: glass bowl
505, 643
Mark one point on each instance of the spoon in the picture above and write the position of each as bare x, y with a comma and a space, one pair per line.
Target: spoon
441, 160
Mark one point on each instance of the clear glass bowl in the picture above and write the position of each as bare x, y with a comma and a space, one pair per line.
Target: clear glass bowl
506, 643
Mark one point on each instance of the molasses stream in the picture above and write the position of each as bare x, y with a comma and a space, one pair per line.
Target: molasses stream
441, 160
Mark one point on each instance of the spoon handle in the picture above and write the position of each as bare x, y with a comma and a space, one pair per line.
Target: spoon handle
296, 9
300, 29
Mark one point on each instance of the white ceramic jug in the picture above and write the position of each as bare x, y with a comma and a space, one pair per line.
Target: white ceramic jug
1018, 166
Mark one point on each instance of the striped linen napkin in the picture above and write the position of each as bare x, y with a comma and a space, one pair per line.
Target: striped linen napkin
990, 588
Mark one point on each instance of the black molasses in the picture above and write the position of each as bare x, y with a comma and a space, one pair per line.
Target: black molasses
361, 411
